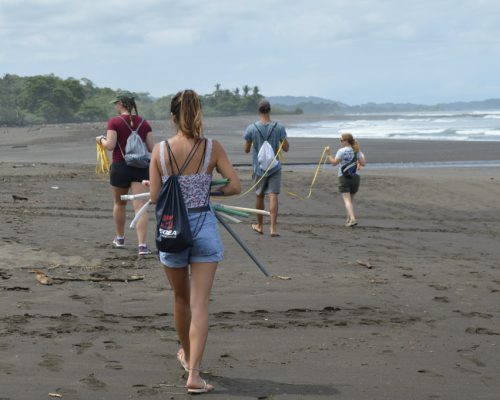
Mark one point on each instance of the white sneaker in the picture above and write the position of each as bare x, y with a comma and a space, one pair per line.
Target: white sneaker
351, 223
119, 242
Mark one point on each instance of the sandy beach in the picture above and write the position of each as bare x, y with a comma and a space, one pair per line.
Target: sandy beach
404, 306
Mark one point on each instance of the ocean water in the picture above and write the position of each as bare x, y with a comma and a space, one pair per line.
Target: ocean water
460, 125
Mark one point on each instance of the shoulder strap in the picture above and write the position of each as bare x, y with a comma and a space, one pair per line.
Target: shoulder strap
351, 163
186, 162
208, 154
258, 130
170, 158
269, 135
272, 129
162, 158
128, 126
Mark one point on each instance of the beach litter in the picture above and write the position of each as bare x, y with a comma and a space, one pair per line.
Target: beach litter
59, 396
15, 197
364, 264
284, 278
41, 277
45, 279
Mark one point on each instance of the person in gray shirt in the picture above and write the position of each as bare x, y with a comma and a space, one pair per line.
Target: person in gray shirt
268, 182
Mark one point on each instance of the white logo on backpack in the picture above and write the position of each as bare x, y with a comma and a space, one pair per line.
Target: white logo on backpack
136, 152
265, 156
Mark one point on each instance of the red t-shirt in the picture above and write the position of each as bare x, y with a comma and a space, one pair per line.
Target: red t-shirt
123, 132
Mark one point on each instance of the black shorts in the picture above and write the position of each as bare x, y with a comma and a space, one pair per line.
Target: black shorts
349, 185
121, 175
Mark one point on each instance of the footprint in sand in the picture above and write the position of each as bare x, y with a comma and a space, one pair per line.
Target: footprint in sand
112, 364
111, 345
7, 368
93, 383
53, 362
481, 331
467, 355
5, 274
84, 299
437, 286
430, 373
82, 346
466, 371
441, 299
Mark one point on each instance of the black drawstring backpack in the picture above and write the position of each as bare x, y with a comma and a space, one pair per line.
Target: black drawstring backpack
173, 233
349, 170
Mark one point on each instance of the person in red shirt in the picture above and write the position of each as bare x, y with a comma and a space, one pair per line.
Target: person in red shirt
124, 178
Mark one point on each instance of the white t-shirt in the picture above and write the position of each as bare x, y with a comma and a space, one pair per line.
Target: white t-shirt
345, 156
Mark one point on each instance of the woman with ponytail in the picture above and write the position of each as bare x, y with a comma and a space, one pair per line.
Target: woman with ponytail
348, 154
124, 178
191, 272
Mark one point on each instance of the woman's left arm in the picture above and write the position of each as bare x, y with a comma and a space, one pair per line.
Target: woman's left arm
225, 168
154, 174
150, 143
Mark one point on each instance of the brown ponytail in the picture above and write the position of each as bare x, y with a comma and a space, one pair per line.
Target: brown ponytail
353, 143
130, 105
186, 108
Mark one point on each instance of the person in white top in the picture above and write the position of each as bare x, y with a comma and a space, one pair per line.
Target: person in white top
349, 159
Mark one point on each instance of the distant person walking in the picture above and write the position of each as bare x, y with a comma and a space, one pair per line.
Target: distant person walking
349, 159
124, 178
197, 157
261, 134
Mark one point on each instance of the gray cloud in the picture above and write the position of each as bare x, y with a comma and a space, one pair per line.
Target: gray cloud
353, 51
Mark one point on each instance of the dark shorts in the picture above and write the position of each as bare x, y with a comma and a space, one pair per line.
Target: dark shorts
121, 175
349, 185
269, 184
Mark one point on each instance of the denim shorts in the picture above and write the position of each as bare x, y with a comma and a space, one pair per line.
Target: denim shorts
207, 246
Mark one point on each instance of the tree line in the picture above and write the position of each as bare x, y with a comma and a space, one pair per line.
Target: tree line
45, 99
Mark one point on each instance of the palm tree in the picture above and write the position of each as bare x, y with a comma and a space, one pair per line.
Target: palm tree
255, 91
246, 90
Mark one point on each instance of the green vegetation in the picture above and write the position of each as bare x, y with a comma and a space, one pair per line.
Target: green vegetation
44, 99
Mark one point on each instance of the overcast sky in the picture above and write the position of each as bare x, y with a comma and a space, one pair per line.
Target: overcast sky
424, 51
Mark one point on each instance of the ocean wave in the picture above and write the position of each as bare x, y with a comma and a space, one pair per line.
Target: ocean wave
423, 126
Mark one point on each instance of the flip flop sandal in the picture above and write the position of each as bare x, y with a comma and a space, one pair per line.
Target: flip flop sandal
206, 388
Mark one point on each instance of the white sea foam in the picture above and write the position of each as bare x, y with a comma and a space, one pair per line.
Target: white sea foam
421, 126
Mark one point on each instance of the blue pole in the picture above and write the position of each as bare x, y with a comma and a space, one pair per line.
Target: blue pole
243, 245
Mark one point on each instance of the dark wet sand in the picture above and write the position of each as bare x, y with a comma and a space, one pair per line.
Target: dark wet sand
421, 323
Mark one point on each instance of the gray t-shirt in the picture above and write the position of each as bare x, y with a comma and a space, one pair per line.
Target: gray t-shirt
273, 136
345, 155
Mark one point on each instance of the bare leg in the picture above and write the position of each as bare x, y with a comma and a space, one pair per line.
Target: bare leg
179, 282
202, 277
348, 205
273, 209
119, 209
259, 205
142, 224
